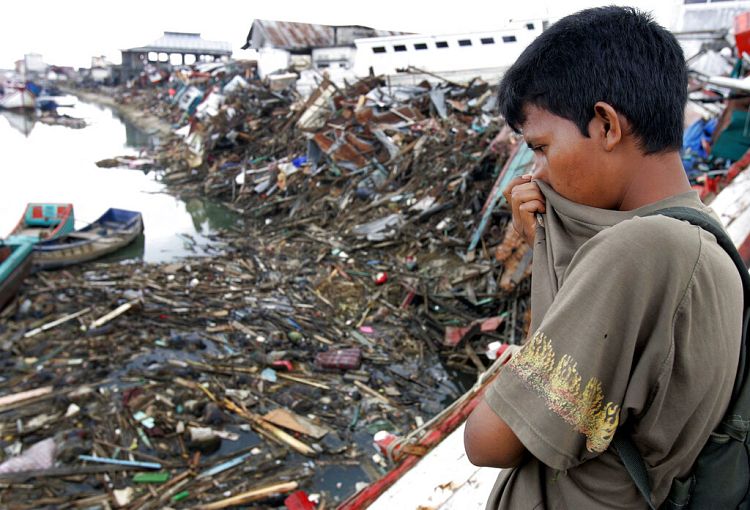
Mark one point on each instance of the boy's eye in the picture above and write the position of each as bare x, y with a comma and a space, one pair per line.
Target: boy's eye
538, 148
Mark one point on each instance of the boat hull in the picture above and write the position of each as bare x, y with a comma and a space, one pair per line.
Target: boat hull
732, 205
13, 270
100, 238
18, 100
43, 221
411, 483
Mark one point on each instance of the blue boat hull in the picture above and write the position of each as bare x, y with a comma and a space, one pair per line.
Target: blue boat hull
115, 229
15, 264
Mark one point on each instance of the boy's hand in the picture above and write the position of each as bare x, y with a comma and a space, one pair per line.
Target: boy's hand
525, 200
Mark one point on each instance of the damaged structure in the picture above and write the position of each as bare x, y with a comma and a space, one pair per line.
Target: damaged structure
173, 48
346, 53
281, 44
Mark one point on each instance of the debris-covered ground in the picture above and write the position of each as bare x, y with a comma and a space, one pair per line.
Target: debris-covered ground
373, 276
375, 270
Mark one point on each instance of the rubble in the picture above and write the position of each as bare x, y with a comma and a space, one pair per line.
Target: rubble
246, 376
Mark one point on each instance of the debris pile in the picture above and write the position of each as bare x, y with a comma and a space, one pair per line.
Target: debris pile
375, 276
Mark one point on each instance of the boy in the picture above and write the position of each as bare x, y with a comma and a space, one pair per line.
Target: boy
636, 319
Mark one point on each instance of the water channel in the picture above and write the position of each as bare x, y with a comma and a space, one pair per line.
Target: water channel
45, 163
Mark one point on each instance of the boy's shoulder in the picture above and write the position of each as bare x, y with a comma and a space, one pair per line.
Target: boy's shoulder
657, 246
643, 247
650, 235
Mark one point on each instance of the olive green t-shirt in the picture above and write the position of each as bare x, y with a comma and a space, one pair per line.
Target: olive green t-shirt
635, 319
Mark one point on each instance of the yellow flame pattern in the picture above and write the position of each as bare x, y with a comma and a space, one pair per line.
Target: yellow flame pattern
560, 386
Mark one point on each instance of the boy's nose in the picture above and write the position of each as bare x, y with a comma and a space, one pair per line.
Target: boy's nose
539, 170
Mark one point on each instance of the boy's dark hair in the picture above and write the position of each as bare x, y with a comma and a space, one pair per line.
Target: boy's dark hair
618, 55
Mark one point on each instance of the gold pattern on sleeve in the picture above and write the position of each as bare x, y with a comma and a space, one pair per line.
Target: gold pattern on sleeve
560, 386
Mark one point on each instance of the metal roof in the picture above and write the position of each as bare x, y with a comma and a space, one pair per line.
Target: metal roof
301, 36
186, 42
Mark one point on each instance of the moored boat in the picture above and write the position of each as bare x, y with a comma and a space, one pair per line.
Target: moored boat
15, 264
431, 469
42, 221
732, 205
115, 229
18, 98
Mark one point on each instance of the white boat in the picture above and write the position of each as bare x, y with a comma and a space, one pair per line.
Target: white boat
18, 99
432, 469
732, 205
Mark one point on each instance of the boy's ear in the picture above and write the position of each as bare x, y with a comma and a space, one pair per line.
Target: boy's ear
607, 125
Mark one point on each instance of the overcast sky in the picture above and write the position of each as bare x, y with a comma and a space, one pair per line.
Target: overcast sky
71, 32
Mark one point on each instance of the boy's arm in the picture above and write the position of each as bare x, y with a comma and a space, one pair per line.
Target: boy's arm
489, 441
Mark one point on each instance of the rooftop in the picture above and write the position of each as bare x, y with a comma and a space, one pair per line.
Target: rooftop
186, 42
300, 36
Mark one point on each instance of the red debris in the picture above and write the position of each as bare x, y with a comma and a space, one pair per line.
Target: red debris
345, 359
283, 363
298, 501
454, 335
381, 278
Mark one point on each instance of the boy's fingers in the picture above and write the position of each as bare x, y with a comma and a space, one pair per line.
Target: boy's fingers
532, 207
525, 220
516, 181
526, 193
525, 200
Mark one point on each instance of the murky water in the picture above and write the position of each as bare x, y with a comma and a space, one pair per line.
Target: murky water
43, 163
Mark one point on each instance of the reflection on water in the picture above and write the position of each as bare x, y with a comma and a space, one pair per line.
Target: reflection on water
43, 163
208, 215
133, 251
23, 122
134, 137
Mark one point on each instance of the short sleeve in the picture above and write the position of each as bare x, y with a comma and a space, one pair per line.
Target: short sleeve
562, 393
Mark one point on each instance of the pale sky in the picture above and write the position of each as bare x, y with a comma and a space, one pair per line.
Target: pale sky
71, 32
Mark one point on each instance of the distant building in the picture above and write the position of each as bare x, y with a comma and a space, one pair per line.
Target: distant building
173, 48
61, 73
344, 52
704, 25
31, 64
707, 15
453, 56
302, 38
101, 69
283, 44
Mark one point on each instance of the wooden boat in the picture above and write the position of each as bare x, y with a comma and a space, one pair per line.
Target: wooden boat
43, 221
115, 229
18, 98
15, 264
732, 205
431, 468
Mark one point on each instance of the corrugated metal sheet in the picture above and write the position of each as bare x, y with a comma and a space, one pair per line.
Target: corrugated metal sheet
301, 36
185, 42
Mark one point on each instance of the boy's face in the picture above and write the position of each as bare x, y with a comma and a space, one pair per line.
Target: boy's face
576, 167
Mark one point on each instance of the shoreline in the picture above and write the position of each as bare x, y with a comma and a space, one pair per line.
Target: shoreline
146, 122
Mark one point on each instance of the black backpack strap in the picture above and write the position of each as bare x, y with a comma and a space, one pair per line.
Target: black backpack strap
622, 443
631, 458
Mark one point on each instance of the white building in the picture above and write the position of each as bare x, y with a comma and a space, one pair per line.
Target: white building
706, 15
281, 45
452, 56
32, 63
